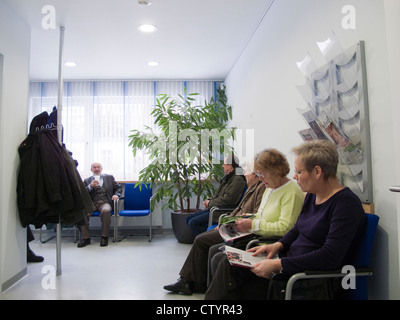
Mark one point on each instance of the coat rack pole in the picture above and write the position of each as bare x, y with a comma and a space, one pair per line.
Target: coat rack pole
59, 133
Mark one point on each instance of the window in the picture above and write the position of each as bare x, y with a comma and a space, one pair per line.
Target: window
97, 117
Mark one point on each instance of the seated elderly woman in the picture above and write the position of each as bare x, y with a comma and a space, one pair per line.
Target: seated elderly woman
280, 205
324, 237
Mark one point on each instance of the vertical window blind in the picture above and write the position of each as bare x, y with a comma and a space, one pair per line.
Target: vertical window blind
97, 118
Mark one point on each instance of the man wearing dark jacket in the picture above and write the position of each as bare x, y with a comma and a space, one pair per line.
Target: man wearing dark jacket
103, 190
229, 193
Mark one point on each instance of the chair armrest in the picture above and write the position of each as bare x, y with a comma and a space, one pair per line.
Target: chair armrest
151, 203
214, 217
261, 241
315, 274
221, 217
339, 272
252, 243
116, 205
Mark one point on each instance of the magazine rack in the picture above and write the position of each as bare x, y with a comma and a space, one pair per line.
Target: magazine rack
337, 110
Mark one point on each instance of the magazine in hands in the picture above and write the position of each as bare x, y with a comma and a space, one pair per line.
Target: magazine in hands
228, 231
241, 258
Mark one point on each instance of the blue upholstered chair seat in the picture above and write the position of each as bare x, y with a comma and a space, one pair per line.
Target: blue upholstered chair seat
97, 214
134, 213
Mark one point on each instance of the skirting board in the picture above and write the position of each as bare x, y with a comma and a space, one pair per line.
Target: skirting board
13, 280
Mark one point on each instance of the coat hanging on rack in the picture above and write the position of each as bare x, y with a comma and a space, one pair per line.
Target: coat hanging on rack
45, 121
49, 187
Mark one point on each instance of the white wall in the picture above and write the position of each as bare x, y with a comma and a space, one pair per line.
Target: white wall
15, 48
262, 90
392, 11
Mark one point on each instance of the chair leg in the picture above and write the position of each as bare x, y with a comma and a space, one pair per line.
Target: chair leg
41, 237
150, 235
116, 211
115, 239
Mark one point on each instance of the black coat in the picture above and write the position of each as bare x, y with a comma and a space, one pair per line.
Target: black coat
49, 186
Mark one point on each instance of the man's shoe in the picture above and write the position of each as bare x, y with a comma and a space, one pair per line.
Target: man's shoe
181, 286
83, 243
104, 242
32, 257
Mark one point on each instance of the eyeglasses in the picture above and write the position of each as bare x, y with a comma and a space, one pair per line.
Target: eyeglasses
259, 175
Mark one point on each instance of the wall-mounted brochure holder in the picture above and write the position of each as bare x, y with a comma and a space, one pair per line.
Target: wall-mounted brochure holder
337, 110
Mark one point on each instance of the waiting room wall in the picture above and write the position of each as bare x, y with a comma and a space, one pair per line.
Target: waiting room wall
15, 48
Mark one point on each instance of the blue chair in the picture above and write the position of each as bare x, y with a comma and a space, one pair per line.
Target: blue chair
137, 202
362, 258
360, 263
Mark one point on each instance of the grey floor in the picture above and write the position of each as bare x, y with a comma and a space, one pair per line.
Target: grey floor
133, 269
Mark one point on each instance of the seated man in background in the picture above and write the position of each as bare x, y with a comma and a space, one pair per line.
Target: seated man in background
229, 193
103, 190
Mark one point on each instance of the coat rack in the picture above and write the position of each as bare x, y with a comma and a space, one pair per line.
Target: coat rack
59, 134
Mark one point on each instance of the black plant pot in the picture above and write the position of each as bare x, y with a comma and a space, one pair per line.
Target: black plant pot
181, 230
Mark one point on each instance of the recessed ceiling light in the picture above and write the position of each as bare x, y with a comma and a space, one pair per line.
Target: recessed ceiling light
70, 64
153, 63
147, 28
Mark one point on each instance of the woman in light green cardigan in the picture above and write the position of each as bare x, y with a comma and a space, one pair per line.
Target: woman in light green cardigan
282, 200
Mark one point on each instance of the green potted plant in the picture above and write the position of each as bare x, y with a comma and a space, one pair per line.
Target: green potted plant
185, 149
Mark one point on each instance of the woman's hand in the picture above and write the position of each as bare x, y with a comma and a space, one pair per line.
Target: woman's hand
264, 268
243, 225
270, 249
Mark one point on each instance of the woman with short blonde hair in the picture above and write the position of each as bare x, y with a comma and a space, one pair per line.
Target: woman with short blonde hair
319, 152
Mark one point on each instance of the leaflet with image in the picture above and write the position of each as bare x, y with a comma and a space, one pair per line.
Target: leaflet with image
228, 231
308, 134
350, 153
241, 258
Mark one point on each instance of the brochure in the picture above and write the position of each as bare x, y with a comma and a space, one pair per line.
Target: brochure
241, 258
350, 153
228, 231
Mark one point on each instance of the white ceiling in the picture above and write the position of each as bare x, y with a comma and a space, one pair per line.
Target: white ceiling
196, 39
